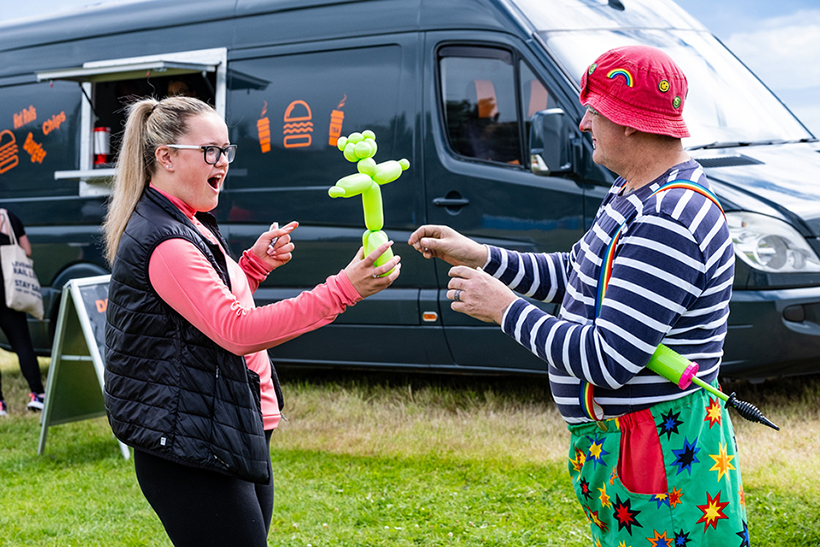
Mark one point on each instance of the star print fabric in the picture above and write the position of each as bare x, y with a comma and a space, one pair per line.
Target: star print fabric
666, 476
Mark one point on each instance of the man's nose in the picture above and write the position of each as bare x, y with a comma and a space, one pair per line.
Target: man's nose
586, 122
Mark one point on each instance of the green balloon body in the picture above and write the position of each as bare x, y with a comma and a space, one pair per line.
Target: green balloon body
350, 154
351, 185
373, 210
371, 242
360, 148
388, 171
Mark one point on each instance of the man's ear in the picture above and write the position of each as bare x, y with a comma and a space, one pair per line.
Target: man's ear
629, 131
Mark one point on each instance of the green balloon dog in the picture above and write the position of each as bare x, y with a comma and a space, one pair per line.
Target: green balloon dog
360, 148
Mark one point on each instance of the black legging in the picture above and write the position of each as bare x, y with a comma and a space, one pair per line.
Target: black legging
15, 327
201, 508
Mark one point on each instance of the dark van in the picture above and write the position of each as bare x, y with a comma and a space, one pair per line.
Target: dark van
481, 96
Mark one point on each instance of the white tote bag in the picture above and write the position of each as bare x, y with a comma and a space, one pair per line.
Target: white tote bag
21, 284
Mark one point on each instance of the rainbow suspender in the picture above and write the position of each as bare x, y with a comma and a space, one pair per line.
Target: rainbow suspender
593, 410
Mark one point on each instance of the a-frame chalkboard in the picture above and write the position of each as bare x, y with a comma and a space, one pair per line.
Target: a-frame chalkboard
74, 389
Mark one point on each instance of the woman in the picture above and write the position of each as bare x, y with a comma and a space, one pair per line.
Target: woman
15, 324
186, 368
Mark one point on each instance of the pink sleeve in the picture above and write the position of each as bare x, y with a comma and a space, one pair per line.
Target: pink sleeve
187, 282
255, 270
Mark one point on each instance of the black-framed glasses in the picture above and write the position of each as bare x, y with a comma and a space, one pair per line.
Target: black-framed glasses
211, 152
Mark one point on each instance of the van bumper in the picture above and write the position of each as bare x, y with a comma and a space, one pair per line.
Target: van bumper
773, 333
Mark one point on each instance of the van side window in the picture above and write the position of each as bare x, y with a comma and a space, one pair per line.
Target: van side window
534, 96
480, 106
488, 97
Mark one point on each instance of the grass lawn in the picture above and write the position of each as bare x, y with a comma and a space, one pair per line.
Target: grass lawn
379, 459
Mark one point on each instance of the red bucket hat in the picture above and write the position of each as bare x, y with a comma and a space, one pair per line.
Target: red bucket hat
639, 87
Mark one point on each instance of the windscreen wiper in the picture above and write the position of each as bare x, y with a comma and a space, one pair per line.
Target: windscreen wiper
726, 144
736, 144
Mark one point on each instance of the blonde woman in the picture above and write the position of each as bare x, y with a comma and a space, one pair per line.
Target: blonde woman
188, 381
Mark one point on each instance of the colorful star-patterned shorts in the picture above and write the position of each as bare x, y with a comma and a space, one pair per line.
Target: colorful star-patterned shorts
667, 476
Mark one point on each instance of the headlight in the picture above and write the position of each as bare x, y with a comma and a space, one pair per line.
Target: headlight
770, 245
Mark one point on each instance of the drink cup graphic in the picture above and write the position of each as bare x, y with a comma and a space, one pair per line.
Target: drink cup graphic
263, 129
337, 117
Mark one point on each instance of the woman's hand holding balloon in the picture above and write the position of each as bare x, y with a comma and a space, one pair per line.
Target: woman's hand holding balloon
366, 276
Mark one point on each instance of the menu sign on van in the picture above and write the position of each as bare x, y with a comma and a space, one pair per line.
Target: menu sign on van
32, 144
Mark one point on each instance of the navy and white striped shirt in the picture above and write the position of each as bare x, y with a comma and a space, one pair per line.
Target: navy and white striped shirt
671, 283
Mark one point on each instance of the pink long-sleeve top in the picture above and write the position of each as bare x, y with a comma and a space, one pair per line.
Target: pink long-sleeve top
187, 282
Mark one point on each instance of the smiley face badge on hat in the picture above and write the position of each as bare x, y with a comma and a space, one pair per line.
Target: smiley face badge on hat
639, 87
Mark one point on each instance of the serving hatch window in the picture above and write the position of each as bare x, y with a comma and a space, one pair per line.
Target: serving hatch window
109, 86
110, 100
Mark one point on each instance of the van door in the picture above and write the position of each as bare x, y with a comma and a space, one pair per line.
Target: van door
287, 106
478, 178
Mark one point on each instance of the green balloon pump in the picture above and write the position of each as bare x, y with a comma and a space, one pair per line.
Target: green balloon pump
681, 371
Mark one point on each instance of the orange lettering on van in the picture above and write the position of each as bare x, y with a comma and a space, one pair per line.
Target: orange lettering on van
102, 305
27, 115
8, 151
53, 123
35, 150
297, 128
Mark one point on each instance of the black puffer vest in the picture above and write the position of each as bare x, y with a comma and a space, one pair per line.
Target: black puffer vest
169, 389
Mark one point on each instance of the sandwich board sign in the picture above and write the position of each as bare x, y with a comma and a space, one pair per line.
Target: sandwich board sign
74, 389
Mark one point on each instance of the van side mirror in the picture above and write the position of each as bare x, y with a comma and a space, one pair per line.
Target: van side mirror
550, 142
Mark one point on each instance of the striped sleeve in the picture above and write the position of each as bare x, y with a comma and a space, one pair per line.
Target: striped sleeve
539, 276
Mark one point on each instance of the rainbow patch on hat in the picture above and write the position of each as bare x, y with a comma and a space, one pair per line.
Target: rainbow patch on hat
621, 72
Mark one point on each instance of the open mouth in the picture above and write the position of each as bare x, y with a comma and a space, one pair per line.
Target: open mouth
215, 181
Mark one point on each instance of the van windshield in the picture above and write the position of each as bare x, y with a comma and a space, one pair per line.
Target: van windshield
727, 104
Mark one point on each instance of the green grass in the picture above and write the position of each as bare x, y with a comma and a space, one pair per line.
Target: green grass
81, 492
327, 499
380, 459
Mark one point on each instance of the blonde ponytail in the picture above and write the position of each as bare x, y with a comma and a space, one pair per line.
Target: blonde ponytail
150, 123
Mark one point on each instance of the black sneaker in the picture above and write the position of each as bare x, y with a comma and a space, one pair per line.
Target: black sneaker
37, 401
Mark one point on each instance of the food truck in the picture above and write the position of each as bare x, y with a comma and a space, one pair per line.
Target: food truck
481, 96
